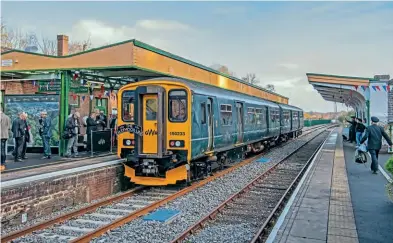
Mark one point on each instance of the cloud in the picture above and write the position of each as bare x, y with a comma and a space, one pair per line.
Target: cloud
154, 32
229, 10
290, 66
165, 25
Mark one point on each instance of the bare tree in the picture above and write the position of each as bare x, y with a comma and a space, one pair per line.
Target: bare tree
16, 39
251, 78
270, 87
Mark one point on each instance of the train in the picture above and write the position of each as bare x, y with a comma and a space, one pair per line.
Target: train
173, 131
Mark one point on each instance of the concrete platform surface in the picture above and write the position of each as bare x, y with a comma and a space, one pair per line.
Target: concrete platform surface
339, 201
51, 166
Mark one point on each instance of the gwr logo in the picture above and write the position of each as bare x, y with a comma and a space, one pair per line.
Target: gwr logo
101, 141
151, 132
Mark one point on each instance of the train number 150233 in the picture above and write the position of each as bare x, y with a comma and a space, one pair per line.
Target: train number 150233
177, 133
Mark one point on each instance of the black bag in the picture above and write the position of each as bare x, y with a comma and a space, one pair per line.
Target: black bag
67, 134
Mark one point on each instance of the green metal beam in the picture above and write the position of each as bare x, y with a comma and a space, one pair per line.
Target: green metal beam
65, 88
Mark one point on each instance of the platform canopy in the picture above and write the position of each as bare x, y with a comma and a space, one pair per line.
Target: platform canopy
125, 62
351, 91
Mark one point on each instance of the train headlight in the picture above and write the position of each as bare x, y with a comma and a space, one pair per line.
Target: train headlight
128, 142
176, 143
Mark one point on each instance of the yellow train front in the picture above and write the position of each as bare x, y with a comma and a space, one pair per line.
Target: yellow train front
154, 131
174, 130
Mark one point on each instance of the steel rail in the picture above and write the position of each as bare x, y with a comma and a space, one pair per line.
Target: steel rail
74, 213
192, 229
132, 216
281, 203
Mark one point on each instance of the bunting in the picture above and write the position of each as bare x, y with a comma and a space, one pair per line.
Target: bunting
364, 88
374, 87
83, 97
356, 87
91, 97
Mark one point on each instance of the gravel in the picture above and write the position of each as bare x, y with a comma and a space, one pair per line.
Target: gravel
29, 223
198, 203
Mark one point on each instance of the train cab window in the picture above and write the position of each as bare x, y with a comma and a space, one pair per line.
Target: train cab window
203, 113
151, 109
177, 106
128, 106
251, 115
226, 115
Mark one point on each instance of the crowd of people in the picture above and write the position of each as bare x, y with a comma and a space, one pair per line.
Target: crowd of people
371, 136
97, 121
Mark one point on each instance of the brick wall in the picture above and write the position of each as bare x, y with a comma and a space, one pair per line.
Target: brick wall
42, 198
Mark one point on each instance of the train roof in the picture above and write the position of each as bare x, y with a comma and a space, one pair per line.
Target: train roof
201, 88
290, 107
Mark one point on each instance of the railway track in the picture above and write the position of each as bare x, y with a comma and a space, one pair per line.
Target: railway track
84, 224
257, 205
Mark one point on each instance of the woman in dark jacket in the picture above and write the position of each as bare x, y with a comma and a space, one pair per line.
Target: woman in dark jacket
91, 125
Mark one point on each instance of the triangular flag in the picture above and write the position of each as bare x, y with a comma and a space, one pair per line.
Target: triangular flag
384, 87
102, 88
74, 96
378, 87
91, 97
34, 83
364, 87
375, 89
356, 87
83, 98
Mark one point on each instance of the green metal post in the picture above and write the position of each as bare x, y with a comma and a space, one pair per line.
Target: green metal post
368, 112
65, 89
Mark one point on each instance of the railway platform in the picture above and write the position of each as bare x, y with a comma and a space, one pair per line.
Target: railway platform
337, 201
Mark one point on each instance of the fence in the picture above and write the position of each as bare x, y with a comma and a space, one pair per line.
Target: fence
309, 123
101, 141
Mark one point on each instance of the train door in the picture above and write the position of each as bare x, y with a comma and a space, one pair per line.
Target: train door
239, 112
149, 124
210, 124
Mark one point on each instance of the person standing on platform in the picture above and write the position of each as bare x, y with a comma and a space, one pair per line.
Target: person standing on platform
18, 133
27, 136
101, 118
352, 129
360, 127
46, 133
374, 134
5, 122
91, 125
72, 126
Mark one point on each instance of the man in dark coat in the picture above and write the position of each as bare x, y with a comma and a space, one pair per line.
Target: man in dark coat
45, 133
374, 134
27, 136
18, 133
360, 127
352, 129
91, 124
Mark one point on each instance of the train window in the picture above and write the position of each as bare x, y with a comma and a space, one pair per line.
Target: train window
226, 115
274, 115
203, 113
251, 115
260, 115
177, 106
128, 106
151, 109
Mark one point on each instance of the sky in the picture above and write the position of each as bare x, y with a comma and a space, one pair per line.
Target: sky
278, 41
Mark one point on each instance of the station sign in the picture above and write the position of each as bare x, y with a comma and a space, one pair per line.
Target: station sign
55, 86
